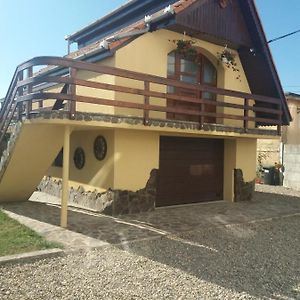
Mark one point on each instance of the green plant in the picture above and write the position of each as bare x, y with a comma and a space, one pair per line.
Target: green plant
261, 156
187, 50
227, 58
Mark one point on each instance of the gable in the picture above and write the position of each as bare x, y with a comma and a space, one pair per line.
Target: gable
236, 23
209, 20
223, 22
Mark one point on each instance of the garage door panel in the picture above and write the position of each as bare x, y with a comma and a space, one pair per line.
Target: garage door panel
191, 170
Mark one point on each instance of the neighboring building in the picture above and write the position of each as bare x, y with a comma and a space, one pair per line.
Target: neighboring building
291, 144
183, 87
285, 150
291, 133
268, 152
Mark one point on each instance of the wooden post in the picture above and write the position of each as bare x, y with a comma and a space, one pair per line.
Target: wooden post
201, 106
280, 120
146, 102
20, 93
29, 91
65, 179
246, 114
72, 92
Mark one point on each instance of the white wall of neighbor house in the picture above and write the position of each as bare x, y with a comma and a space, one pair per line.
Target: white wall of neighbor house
290, 134
291, 161
269, 151
291, 147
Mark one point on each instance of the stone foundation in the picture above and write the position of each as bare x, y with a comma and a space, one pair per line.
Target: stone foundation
115, 119
111, 202
243, 191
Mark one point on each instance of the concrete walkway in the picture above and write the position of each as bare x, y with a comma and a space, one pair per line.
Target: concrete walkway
88, 229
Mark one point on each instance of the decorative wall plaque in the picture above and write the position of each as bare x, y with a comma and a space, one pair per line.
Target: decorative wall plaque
100, 147
79, 158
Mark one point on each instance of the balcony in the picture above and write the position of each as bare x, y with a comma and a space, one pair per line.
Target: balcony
78, 90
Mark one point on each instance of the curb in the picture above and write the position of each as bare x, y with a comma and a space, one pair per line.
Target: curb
30, 256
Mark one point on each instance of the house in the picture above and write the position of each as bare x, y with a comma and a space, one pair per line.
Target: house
286, 149
159, 105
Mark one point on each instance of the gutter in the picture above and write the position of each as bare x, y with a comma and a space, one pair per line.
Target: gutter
104, 51
114, 12
148, 20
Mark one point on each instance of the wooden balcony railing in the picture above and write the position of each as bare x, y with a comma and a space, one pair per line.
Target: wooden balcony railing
29, 89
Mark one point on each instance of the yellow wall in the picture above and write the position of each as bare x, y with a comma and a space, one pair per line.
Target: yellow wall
131, 156
35, 149
229, 166
49, 102
148, 54
238, 154
95, 172
90, 92
246, 158
87, 91
136, 154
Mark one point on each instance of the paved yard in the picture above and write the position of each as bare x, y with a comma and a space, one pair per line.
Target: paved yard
163, 221
207, 251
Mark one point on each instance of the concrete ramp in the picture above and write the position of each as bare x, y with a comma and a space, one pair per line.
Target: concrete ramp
35, 148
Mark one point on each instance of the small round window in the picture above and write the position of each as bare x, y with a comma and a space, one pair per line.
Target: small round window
79, 158
100, 147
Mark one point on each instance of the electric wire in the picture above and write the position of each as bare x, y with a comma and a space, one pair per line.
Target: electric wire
283, 36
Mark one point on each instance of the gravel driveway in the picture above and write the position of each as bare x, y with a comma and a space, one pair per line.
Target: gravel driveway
254, 260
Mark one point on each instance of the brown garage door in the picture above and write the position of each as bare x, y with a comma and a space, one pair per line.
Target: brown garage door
190, 170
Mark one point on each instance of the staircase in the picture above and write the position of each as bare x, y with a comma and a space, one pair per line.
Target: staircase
27, 149
30, 151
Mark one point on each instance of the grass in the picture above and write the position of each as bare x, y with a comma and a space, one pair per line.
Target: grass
16, 238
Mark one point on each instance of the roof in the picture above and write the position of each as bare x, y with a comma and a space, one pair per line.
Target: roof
117, 43
129, 19
121, 17
292, 96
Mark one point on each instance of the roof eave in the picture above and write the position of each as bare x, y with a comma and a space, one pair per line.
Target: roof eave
72, 37
270, 60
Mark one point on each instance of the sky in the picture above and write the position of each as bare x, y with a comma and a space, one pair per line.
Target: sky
35, 28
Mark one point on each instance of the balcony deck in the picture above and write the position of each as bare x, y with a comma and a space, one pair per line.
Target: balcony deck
29, 95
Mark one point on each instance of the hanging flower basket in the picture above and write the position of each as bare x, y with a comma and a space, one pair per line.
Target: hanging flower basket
227, 58
187, 50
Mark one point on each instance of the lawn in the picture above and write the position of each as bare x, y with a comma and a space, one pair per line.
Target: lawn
16, 238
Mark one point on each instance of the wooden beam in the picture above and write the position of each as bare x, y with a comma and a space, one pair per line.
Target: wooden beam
65, 179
